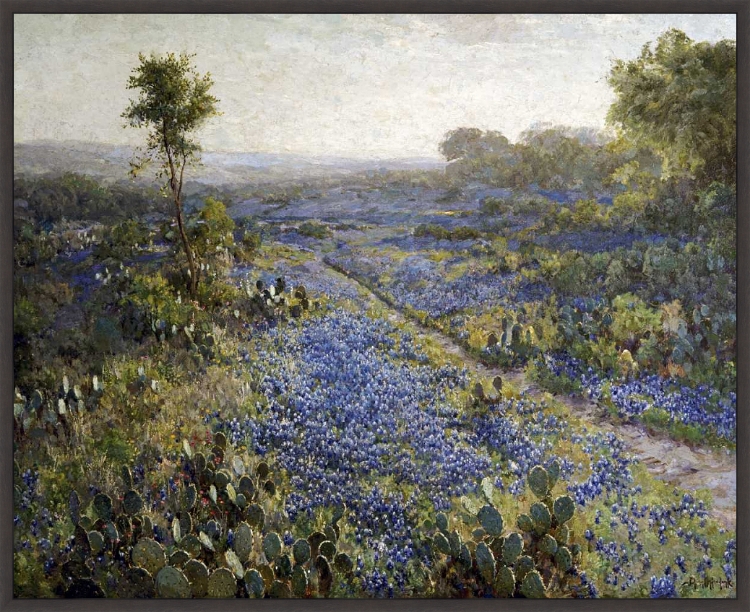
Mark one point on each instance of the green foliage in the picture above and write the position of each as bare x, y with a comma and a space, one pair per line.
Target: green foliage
313, 229
174, 102
535, 563
678, 98
123, 240
440, 233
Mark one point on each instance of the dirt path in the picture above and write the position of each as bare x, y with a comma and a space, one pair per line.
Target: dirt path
666, 459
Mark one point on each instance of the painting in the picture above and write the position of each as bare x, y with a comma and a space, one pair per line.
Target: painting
375, 306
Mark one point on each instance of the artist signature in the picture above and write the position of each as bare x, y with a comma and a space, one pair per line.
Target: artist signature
708, 583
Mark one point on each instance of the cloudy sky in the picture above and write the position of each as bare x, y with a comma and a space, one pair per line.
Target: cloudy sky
366, 86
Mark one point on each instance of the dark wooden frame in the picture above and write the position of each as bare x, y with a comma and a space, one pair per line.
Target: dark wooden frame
10, 7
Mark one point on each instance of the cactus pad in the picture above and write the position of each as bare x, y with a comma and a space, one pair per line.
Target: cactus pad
179, 558
553, 472
197, 576
327, 549
300, 581
172, 584
541, 517
222, 584
103, 506
301, 551
441, 520
132, 502
564, 508
262, 470
548, 544
485, 562
271, 545
523, 566
505, 582
279, 590
563, 559
233, 563
246, 486
96, 542
441, 544
491, 520
283, 567
254, 583
532, 586
343, 563
243, 541
256, 516
149, 555
136, 583
512, 548
524, 522
325, 575
538, 480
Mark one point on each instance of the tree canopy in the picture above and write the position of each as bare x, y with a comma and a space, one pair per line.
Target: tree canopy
174, 101
679, 99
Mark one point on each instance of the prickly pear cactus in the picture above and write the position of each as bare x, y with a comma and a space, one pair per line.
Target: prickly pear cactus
441, 544
538, 480
271, 545
96, 542
179, 558
505, 582
563, 559
197, 576
279, 590
233, 563
149, 555
255, 516
254, 583
171, 583
300, 581
343, 563
564, 508
103, 506
222, 584
553, 472
301, 551
512, 548
532, 586
541, 517
136, 583
524, 522
523, 566
327, 549
325, 575
485, 562
491, 520
441, 520
548, 544
243, 541
132, 502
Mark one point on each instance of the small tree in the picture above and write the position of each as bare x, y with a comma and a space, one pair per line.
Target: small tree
174, 102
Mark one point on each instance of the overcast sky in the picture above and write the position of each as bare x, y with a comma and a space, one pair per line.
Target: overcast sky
363, 86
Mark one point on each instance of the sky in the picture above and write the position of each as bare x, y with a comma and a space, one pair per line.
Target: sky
359, 86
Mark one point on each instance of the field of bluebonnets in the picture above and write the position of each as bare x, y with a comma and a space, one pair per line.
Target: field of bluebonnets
297, 428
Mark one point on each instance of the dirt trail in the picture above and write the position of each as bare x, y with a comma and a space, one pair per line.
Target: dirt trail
666, 459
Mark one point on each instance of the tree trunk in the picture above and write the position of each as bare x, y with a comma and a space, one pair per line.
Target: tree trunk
188, 251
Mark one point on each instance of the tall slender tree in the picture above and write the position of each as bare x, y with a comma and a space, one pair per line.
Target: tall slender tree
174, 101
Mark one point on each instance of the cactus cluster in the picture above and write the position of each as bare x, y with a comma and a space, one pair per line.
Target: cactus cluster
48, 414
535, 561
517, 342
219, 544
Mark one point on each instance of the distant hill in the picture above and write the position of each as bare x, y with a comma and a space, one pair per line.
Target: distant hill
109, 162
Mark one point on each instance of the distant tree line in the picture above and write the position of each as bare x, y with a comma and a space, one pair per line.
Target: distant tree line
673, 143
50, 199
